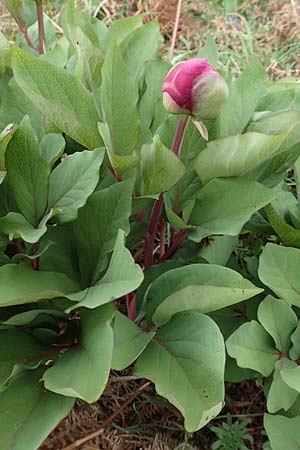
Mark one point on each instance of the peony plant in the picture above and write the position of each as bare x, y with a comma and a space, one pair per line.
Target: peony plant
129, 238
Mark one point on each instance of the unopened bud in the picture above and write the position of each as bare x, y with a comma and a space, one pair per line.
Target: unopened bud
194, 87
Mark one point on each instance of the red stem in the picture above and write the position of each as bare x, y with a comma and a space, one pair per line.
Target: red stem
18, 246
162, 236
179, 134
154, 219
27, 38
157, 208
131, 306
173, 247
39, 8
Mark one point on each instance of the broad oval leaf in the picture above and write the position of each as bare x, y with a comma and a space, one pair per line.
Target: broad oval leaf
223, 206
186, 361
120, 111
283, 432
20, 284
122, 276
73, 181
279, 270
200, 287
27, 172
291, 376
253, 348
281, 395
161, 168
236, 155
28, 412
60, 96
129, 341
278, 318
83, 370
17, 347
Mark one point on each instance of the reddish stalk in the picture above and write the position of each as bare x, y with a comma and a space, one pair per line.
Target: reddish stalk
39, 8
27, 38
162, 237
157, 208
180, 237
18, 245
154, 219
131, 306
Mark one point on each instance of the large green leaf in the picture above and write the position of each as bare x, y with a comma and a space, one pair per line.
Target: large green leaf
61, 97
223, 206
17, 347
236, 155
161, 168
27, 172
219, 249
28, 412
73, 181
186, 361
279, 270
253, 348
278, 318
283, 432
290, 375
140, 47
244, 94
83, 371
97, 227
122, 28
23, 11
200, 287
15, 225
129, 342
119, 97
122, 276
20, 284
281, 395
15, 105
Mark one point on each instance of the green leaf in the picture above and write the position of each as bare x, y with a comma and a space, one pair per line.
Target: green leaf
28, 412
186, 361
294, 352
27, 172
278, 269
61, 255
15, 105
200, 287
283, 94
129, 342
161, 168
97, 227
122, 276
210, 51
155, 74
20, 284
120, 29
284, 433
288, 234
219, 249
278, 318
140, 47
4, 54
291, 376
244, 95
236, 155
15, 225
253, 348
83, 370
120, 111
52, 147
223, 206
64, 101
73, 181
17, 347
23, 11
280, 395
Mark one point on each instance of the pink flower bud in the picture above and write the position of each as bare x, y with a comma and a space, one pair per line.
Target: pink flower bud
194, 87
